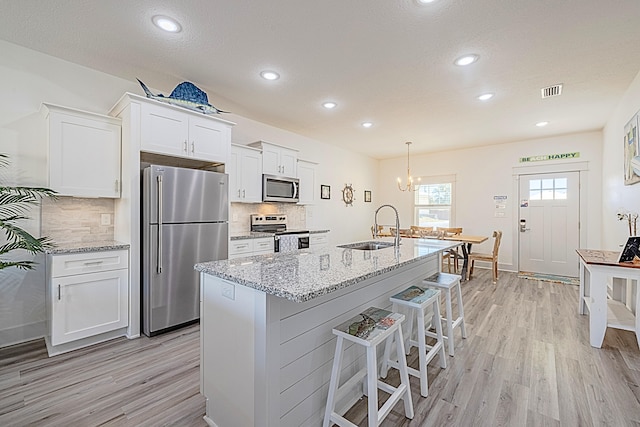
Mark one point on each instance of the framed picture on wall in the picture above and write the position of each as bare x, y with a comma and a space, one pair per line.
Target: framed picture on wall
325, 192
631, 152
367, 196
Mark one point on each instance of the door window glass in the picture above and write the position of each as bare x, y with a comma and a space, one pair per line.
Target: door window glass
548, 189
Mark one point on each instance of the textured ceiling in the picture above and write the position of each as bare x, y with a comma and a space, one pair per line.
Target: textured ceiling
385, 61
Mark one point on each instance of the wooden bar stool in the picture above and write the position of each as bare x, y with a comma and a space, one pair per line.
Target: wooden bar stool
416, 300
369, 329
446, 282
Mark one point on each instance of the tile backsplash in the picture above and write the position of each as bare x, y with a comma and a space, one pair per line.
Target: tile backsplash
72, 219
240, 220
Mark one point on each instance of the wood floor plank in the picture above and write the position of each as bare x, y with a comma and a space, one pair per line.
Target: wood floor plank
526, 362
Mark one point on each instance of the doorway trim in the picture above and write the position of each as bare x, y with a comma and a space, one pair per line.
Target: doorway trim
581, 167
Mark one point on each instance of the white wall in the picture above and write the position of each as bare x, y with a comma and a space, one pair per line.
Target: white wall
615, 194
28, 78
484, 172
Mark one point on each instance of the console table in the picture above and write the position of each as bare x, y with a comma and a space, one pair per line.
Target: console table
596, 269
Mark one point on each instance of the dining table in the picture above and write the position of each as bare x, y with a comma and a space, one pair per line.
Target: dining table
467, 241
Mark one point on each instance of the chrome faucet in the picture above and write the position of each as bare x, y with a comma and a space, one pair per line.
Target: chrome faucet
396, 241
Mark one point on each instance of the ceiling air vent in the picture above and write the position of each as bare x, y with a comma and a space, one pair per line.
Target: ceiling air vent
548, 92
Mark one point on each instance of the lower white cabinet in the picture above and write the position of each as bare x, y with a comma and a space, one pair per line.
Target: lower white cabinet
318, 239
88, 296
247, 247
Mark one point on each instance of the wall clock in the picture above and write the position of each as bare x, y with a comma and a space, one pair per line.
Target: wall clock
347, 195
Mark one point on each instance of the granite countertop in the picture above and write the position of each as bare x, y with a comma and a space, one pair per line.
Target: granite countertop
250, 235
79, 247
310, 273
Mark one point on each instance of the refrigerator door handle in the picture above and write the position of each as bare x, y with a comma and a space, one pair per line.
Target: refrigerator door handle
159, 266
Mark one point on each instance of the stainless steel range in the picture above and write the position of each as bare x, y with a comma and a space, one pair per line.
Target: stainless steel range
285, 240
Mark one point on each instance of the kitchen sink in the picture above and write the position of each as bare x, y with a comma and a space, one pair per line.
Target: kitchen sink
367, 246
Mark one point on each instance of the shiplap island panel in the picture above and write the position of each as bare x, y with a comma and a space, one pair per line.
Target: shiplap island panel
266, 341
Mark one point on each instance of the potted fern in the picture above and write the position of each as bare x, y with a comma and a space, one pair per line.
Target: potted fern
15, 203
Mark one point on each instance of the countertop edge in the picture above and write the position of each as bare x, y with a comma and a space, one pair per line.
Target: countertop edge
299, 298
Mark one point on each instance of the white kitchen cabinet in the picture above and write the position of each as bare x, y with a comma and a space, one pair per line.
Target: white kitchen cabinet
318, 239
87, 296
245, 174
166, 130
247, 247
278, 160
84, 152
307, 177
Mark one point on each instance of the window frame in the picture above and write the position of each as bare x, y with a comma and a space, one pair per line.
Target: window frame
437, 179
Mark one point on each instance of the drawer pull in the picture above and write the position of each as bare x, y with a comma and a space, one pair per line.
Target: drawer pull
93, 262
58, 292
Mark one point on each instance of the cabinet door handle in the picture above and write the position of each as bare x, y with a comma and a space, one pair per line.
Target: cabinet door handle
58, 292
117, 186
193, 147
159, 266
238, 192
185, 146
244, 194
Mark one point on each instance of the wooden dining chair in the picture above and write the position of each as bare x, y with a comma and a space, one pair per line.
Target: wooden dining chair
451, 254
492, 257
424, 232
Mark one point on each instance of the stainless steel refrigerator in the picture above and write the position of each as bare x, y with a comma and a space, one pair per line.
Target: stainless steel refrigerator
184, 221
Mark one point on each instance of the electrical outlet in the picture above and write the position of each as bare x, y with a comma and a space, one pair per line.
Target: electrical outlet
105, 219
229, 291
234, 217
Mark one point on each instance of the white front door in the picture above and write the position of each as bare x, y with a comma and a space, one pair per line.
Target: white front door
549, 223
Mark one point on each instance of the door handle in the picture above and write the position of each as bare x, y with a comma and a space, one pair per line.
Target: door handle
160, 203
523, 226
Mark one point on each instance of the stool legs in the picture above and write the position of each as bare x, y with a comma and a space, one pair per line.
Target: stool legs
372, 387
461, 312
333, 383
450, 340
425, 352
371, 383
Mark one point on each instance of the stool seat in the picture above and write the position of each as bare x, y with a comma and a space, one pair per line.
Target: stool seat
368, 329
446, 282
417, 300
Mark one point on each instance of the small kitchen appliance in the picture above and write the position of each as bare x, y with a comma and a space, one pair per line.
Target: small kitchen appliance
285, 240
280, 189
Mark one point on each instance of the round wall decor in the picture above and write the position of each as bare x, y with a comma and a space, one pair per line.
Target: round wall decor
347, 195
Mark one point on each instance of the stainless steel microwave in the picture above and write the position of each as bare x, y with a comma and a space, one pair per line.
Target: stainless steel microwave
280, 189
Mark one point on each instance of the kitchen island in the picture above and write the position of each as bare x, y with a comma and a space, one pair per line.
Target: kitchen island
266, 342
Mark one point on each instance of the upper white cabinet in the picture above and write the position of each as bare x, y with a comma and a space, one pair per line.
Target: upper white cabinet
84, 152
166, 130
245, 174
307, 177
278, 160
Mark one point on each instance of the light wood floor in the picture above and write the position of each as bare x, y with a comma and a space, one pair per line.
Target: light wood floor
526, 361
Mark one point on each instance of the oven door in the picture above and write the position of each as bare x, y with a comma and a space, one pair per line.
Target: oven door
280, 189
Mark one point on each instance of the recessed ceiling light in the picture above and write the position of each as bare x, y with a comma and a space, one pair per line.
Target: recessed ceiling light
367, 124
466, 59
168, 24
329, 105
485, 96
542, 124
425, 1
270, 75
